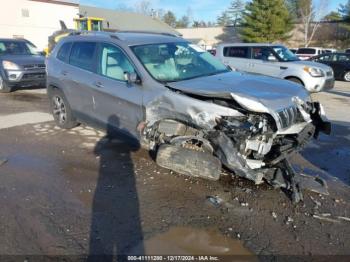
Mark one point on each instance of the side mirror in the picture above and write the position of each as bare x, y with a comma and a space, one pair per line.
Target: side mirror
132, 78
272, 58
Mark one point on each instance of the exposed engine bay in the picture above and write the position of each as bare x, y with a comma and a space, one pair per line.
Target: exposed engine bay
253, 145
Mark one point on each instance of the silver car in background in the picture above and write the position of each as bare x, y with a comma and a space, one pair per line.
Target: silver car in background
179, 101
20, 65
277, 61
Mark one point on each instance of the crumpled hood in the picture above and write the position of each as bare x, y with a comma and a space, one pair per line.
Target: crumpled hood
273, 93
24, 59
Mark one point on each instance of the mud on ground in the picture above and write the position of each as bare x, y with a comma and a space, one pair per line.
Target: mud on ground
76, 192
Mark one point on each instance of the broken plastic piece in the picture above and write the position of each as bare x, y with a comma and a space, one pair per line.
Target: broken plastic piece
189, 162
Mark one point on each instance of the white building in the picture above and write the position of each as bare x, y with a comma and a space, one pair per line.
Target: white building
35, 20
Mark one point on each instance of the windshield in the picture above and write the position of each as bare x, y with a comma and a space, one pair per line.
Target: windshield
173, 62
17, 48
284, 54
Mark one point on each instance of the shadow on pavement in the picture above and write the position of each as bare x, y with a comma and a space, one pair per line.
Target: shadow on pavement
332, 153
339, 93
115, 224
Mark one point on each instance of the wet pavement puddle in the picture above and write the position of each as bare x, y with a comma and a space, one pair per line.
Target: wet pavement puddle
191, 241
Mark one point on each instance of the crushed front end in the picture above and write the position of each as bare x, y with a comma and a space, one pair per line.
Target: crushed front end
243, 136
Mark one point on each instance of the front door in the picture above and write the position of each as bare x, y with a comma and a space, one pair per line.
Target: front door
117, 103
264, 62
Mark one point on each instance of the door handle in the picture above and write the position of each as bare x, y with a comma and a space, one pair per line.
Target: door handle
98, 84
64, 73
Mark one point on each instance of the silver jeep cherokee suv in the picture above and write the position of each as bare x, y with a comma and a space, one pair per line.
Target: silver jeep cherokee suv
181, 102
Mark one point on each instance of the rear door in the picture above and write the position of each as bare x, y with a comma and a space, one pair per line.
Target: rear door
117, 103
237, 57
79, 74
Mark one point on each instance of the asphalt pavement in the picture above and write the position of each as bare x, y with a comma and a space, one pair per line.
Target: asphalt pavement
77, 193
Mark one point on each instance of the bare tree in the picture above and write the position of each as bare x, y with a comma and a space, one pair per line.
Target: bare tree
310, 17
144, 7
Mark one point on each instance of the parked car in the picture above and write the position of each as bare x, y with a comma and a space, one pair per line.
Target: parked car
180, 101
277, 61
340, 63
305, 53
20, 65
330, 50
293, 50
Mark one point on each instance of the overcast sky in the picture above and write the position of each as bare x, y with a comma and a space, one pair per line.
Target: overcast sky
206, 10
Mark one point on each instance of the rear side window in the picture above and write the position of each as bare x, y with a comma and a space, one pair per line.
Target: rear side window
63, 53
82, 55
342, 58
236, 51
307, 51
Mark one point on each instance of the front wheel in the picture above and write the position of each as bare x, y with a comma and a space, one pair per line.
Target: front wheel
61, 110
4, 88
295, 80
347, 76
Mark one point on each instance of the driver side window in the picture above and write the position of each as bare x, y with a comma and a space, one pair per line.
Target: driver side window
263, 53
113, 63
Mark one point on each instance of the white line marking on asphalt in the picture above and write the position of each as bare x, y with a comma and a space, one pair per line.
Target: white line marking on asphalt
21, 119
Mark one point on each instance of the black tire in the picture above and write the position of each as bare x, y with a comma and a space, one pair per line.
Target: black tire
61, 110
347, 76
4, 88
295, 80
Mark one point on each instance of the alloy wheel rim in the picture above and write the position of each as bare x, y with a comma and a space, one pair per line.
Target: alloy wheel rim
347, 76
59, 109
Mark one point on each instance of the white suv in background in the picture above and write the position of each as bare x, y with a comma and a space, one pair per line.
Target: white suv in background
278, 61
305, 53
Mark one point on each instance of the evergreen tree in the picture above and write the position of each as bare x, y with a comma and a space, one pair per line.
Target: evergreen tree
344, 11
266, 21
183, 22
236, 11
224, 19
170, 19
332, 16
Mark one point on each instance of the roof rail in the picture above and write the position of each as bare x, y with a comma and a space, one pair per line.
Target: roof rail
148, 32
94, 33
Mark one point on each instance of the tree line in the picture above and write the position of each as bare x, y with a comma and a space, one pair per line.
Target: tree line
273, 20
261, 20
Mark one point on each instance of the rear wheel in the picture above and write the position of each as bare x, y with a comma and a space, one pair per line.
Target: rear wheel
61, 110
295, 80
4, 88
347, 76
